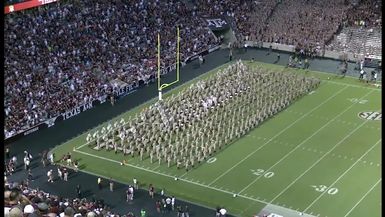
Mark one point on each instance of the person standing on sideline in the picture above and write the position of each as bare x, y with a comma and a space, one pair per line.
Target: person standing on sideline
135, 183
76, 165
112, 99
78, 191
65, 173
142, 213
50, 175
44, 158
157, 205
29, 176
230, 54
168, 204
200, 60
151, 191
270, 50
128, 194
100, 183
7, 153
14, 160
278, 58
186, 211
26, 163
111, 185
60, 173
131, 189
173, 203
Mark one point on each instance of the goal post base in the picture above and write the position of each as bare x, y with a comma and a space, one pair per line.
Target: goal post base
160, 95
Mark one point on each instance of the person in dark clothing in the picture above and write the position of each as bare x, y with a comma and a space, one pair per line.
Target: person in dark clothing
231, 54
78, 191
7, 153
179, 208
278, 58
270, 50
186, 211
29, 175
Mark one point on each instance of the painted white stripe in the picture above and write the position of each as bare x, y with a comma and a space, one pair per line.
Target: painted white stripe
352, 85
342, 175
272, 138
315, 163
303, 142
362, 198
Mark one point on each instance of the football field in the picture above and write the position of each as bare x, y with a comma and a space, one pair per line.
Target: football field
321, 156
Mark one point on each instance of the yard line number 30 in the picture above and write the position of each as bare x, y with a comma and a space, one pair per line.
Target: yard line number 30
322, 188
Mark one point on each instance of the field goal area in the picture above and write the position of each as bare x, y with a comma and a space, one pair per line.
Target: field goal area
318, 157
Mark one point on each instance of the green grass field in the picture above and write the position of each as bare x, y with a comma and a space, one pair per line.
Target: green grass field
318, 157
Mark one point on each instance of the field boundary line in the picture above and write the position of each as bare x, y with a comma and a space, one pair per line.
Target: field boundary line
353, 85
342, 175
171, 176
315, 163
363, 197
303, 142
276, 135
334, 75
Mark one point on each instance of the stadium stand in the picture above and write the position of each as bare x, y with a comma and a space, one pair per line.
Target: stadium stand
247, 18
362, 30
20, 200
63, 55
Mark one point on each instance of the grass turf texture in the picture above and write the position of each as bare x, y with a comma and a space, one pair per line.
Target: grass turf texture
317, 157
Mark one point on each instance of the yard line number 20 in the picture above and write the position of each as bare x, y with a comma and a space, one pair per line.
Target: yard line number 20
261, 172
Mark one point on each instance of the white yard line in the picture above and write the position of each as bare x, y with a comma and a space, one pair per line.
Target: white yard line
303, 142
362, 198
276, 135
353, 85
342, 175
315, 163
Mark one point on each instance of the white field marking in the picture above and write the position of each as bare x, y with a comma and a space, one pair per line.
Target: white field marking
172, 176
362, 198
315, 163
338, 120
276, 135
353, 85
303, 142
342, 175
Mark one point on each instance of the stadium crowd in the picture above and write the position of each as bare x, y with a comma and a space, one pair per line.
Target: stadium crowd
306, 24
21, 200
361, 33
247, 17
367, 13
187, 128
65, 54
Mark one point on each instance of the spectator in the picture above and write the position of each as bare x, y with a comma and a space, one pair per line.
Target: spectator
48, 74
100, 183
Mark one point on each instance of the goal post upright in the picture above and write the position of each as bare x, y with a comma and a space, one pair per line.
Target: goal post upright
161, 87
